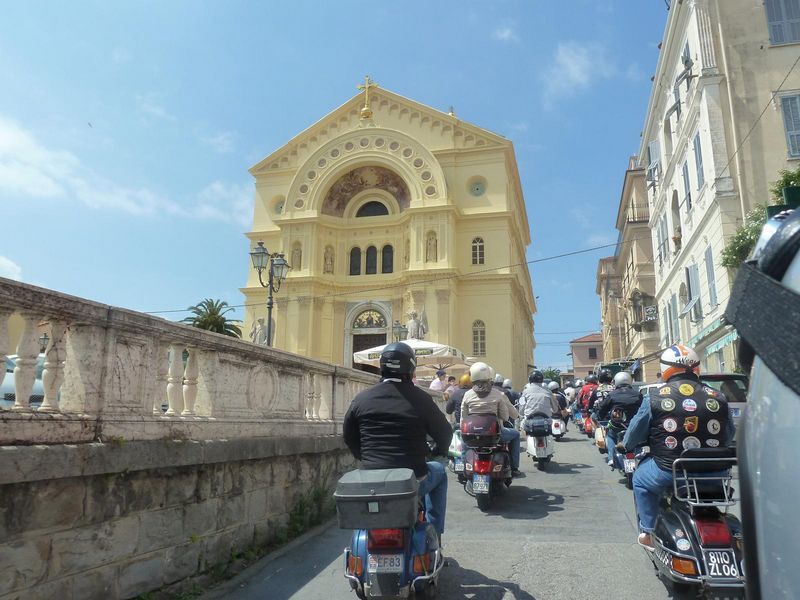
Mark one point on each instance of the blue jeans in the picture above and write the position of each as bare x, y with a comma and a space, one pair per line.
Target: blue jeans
611, 442
434, 488
511, 436
649, 483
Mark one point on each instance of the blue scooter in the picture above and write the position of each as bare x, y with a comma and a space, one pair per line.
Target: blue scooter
394, 550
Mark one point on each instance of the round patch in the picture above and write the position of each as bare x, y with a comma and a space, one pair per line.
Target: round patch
665, 391
667, 404
686, 389
712, 442
712, 405
671, 443
670, 425
679, 533
689, 405
714, 427
683, 544
691, 442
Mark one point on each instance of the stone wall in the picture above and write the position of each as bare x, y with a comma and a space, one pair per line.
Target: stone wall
115, 520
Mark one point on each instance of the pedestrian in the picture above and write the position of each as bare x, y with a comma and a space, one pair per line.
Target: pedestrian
439, 384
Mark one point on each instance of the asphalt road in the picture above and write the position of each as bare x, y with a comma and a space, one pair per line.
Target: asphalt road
567, 533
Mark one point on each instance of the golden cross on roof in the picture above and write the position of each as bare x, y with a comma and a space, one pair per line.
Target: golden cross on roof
366, 111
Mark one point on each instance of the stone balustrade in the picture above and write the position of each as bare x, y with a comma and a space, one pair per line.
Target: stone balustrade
112, 373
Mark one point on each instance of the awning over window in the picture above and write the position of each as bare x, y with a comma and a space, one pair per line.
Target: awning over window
722, 342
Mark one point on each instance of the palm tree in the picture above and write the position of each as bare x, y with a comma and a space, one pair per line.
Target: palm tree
210, 315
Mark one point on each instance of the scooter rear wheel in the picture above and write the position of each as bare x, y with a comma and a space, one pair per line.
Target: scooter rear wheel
484, 501
629, 480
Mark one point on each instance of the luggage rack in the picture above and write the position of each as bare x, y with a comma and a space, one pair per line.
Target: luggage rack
694, 483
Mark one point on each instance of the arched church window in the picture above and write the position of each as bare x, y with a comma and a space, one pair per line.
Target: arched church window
355, 261
477, 251
369, 319
478, 338
373, 208
387, 259
372, 261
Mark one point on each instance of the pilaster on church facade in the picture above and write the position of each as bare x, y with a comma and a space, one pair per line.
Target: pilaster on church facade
384, 209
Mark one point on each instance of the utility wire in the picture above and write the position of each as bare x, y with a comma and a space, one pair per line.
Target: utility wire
424, 281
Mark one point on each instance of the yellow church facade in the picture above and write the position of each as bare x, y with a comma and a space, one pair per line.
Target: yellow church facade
387, 207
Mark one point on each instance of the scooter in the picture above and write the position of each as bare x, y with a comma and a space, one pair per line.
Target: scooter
487, 462
588, 424
539, 445
697, 545
394, 551
557, 428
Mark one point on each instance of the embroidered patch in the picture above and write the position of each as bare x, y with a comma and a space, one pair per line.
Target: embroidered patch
670, 425
689, 405
710, 391
671, 443
679, 533
691, 442
686, 389
714, 427
683, 544
690, 424
712, 405
667, 404
712, 442
664, 391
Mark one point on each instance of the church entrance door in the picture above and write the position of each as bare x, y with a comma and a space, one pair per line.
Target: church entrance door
362, 341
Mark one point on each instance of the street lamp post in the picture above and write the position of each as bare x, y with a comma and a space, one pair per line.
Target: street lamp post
277, 270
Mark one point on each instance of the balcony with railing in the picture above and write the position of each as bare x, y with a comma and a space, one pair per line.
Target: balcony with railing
638, 213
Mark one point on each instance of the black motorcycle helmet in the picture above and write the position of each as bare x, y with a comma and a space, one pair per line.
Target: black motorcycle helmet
592, 378
605, 376
398, 359
536, 376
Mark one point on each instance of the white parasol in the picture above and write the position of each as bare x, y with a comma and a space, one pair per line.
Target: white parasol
429, 354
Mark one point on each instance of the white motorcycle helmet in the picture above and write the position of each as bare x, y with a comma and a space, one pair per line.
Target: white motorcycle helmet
764, 306
498, 379
623, 378
480, 371
507, 384
553, 386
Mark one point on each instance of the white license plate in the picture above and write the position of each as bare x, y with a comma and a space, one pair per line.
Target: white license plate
721, 563
630, 465
459, 466
480, 484
385, 563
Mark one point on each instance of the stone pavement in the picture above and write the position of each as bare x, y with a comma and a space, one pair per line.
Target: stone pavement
563, 534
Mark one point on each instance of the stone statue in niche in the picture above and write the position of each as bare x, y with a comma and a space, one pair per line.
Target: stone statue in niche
297, 257
328, 262
407, 255
417, 327
258, 334
431, 248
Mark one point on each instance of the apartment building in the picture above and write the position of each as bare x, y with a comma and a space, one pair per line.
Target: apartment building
710, 155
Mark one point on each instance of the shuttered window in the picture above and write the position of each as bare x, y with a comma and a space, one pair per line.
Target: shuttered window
783, 19
712, 281
791, 122
693, 282
674, 324
687, 188
698, 161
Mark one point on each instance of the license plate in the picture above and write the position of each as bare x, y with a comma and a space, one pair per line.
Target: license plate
630, 465
480, 484
721, 563
459, 466
385, 563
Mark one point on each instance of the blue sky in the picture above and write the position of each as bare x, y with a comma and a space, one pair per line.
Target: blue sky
127, 128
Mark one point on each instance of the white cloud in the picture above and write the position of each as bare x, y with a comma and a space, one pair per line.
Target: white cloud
505, 34
223, 142
28, 169
150, 105
10, 269
575, 67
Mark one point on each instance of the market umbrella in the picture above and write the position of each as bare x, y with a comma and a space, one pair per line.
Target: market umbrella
429, 354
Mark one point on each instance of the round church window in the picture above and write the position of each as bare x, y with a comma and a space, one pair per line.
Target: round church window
303, 188
335, 152
394, 145
426, 175
407, 152
430, 190
349, 146
322, 162
299, 203
477, 186
311, 174
418, 162
379, 143
364, 142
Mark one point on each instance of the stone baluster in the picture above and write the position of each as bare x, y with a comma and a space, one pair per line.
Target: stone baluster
324, 403
161, 369
5, 313
28, 353
83, 389
190, 383
308, 396
53, 375
175, 381
316, 397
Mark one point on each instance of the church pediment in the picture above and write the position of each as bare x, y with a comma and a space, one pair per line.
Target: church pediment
434, 129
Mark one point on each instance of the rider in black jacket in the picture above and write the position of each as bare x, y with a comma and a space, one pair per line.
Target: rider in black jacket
386, 428
620, 406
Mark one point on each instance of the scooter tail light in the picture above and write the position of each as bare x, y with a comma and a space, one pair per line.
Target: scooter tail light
683, 566
540, 443
713, 533
383, 539
422, 563
354, 566
483, 466
630, 455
